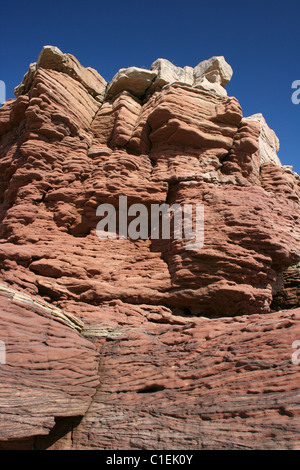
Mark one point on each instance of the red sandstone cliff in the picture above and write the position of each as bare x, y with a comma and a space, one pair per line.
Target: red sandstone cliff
142, 344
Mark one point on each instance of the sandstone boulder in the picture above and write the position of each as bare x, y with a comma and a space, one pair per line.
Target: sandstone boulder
213, 74
216, 63
169, 73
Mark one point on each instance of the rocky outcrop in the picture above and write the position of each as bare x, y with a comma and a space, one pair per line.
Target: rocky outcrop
211, 75
51, 58
178, 332
170, 382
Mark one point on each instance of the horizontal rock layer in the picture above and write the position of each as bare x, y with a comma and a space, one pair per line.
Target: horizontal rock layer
48, 371
171, 382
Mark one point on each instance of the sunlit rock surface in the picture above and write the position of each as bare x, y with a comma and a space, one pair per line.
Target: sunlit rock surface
184, 348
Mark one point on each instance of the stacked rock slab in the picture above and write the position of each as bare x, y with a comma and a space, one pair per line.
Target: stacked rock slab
189, 345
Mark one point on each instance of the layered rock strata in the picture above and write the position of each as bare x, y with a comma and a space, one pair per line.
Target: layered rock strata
149, 307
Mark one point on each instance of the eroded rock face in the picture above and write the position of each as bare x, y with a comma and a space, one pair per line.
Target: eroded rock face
70, 142
49, 370
170, 382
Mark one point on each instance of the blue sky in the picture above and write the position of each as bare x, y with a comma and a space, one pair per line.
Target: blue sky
260, 40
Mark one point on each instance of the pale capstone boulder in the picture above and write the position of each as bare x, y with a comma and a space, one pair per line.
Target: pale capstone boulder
169, 73
212, 75
132, 79
214, 64
51, 57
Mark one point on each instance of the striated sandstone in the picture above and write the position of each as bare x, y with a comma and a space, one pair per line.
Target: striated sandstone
192, 349
132, 79
52, 58
50, 370
289, 294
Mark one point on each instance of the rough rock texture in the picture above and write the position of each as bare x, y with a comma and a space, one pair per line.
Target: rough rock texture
50, 370
289, 295
52, 58
170, 382
192, 350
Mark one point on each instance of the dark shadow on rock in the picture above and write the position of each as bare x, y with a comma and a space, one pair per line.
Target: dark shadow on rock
63, 427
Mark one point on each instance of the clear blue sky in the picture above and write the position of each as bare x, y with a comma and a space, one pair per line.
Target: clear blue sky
259, 38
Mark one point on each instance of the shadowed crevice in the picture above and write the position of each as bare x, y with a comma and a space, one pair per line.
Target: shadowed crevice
63, 427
